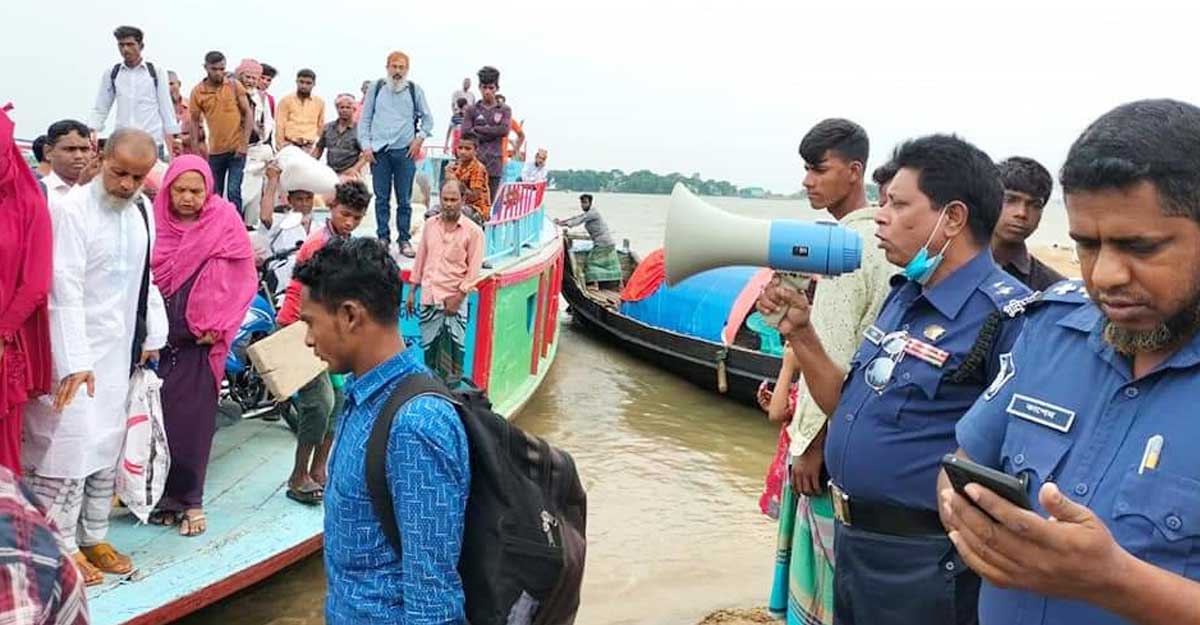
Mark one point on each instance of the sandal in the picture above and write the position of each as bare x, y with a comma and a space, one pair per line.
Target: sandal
309, 496
108, 559
192, 524
165, 518
91, 575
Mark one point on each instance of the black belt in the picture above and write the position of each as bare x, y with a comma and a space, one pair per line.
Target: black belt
884, 518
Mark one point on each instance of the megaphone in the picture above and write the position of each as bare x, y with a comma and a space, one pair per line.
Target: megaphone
701, 236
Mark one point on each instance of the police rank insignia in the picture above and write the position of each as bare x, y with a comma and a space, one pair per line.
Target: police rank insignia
1002, 289
1007, 371
933, 332
924, 351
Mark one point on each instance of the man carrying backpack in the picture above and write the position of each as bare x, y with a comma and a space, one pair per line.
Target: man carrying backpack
140, 92
351, 303
394, 125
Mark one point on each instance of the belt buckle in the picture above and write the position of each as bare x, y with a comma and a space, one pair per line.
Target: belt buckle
841, 504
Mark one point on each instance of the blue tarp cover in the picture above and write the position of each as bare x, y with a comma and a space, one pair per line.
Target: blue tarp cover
698, 306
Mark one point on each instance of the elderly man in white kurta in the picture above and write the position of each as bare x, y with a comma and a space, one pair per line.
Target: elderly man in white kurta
73, 438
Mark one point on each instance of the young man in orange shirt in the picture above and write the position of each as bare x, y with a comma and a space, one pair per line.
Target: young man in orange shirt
474, 174
448, 263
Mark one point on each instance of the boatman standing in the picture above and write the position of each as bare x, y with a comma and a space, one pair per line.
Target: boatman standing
932, 351
1109, 450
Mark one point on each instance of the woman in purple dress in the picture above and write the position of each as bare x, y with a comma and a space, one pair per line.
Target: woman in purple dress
203, 264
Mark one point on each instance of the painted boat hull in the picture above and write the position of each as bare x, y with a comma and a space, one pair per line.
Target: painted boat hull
254, 531
694, 359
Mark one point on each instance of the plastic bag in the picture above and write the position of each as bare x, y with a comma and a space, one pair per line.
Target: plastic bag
299, 171
145, 460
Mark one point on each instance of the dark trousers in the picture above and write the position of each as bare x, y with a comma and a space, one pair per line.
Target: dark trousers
881, 579
393, 169
229, 164
493, 187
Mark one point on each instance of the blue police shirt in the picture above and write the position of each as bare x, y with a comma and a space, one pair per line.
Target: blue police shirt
885, 445
429, 473
1068, 411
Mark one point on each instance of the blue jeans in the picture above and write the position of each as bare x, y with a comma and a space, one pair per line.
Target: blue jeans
231, 164
393, 169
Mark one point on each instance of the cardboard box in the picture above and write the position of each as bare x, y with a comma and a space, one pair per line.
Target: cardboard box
285, 363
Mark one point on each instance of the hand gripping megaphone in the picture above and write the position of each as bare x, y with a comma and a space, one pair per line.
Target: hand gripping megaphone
701, 236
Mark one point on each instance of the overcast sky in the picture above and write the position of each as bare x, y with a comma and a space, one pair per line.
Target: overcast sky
726, 89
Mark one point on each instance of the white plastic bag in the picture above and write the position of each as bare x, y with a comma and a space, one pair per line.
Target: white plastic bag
299, 171
145, 460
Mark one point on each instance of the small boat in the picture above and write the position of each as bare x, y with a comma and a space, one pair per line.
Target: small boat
703, 329
253, 529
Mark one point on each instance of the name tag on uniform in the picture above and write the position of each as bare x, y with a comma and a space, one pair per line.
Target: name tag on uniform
1041, 412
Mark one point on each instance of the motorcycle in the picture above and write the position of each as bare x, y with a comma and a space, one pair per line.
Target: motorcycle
243, 386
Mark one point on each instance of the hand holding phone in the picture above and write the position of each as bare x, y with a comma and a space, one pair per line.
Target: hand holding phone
962, 472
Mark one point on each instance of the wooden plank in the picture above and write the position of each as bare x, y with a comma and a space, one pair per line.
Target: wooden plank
284, 361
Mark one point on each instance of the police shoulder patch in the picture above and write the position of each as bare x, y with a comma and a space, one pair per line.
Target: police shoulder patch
1067, 292
1007, 370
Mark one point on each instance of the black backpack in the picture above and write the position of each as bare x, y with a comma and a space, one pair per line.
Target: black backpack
524, 540
412, 93
112, 76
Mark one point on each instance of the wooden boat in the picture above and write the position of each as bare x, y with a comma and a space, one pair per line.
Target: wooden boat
733, 365
253, 529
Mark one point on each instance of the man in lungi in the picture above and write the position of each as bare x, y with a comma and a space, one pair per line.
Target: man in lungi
603, 265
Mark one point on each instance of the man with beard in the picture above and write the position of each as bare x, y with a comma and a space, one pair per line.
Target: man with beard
1027, 187
106, 316
259, 152
1108, 449
394, 125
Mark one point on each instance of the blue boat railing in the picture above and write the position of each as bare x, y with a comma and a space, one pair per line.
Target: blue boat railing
516, 219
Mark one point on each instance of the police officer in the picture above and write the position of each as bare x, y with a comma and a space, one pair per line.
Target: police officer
1108, 449
933, 349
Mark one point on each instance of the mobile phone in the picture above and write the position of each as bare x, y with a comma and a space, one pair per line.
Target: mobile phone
962, 472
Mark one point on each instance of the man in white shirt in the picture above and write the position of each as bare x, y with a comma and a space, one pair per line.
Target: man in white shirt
140, 92
465, 92
261, 149
69, 150
536, 171
279, 233
105, 316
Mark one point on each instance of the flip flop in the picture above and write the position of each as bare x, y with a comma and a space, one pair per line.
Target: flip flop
91, 575
166, 518
192, 524
308, 497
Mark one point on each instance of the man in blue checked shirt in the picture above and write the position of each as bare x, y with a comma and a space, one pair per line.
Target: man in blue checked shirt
1097, 407
351, 303
931, 352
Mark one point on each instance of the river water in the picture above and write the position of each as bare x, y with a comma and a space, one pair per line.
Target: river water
673, 473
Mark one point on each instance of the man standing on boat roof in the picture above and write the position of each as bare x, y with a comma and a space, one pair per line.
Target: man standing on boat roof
395, 123
603, 264
931, 352
106, 316
351, 303
1027, 187
1113, 540
139, 90
835, 153
491, 121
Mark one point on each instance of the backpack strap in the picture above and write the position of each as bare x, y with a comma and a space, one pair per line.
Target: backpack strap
412, 92
376, 461
139, 329
112, 77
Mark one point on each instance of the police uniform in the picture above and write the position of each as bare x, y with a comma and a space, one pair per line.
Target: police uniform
1067, 410
941, 348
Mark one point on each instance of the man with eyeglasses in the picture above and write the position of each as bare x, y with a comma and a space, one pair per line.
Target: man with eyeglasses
1027, 187
931, 352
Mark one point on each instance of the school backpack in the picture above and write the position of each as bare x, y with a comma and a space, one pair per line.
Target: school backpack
524, 539
412, 93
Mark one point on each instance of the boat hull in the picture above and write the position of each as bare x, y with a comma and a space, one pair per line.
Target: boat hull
697, 360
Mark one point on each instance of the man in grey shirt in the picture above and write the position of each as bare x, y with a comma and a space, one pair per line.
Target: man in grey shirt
603, 265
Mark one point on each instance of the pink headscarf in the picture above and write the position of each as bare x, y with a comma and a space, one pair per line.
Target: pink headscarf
217, 246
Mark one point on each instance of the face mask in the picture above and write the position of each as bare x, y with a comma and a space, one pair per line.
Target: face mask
922, 266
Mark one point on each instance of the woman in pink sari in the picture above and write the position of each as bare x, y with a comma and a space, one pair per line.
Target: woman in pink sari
203, 264
25, 252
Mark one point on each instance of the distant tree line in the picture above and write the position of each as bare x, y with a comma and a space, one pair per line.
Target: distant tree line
640, 181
